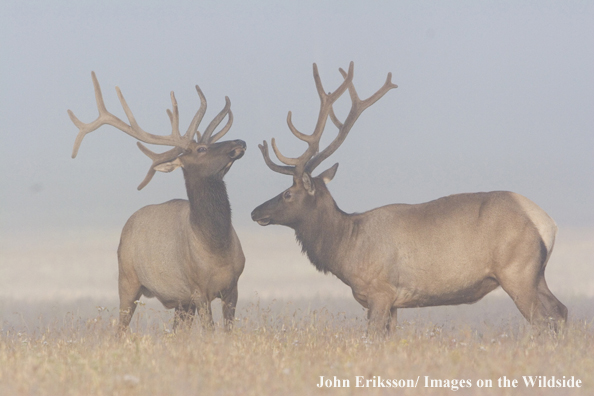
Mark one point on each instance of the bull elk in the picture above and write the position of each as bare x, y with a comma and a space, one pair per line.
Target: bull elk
453, 250
183, 252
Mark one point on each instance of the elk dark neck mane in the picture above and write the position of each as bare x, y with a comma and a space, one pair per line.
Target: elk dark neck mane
323, 234
210, 211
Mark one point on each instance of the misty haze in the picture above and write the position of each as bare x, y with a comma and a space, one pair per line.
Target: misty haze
491, 96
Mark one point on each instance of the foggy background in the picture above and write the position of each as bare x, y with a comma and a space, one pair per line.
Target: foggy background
492, 96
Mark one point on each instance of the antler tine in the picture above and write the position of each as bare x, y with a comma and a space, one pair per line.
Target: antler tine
334, 119
174, 118
327, 100
193, 128
286, 170
137, 132
223, 131
297, 134
216, 121
287, 160
357, 107
158, 158
299, 162
106, 118
86, 128
388, 85
313, 140
332, 97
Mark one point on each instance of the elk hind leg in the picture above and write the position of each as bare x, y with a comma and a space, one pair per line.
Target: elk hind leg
202, 305
527, 302
522, 283
130, 291
229, 301
555, 310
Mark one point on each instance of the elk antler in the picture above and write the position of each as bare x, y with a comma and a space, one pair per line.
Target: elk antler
357, 107
311, 158
175, 139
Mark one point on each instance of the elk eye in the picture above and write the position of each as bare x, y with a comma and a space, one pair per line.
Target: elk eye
287, 195
201, 149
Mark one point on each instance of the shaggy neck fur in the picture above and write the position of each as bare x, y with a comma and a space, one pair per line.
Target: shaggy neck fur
210, 211
324, 234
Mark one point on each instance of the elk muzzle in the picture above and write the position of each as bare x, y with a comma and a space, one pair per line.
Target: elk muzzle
259, 217
238, 151
263, 213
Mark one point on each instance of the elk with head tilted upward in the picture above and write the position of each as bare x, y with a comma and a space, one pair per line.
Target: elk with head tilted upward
184, 252
453, 250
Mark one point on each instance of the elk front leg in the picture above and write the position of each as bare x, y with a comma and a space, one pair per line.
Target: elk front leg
393, 320
184, 316
229, 300
378, 316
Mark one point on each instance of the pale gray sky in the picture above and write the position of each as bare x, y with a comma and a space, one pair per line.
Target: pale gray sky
492, 95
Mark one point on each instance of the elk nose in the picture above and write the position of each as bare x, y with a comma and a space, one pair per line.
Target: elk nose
238, 150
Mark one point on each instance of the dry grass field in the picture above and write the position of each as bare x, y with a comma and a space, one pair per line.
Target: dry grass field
58, 310
285, 352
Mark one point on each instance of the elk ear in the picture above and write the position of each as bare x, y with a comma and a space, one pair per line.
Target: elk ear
308, 184
169, 166
329, 173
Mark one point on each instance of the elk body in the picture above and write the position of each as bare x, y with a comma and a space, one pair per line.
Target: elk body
453, 250
183, 252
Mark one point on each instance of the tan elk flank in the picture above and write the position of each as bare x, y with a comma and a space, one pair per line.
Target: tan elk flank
184, 252
453, 250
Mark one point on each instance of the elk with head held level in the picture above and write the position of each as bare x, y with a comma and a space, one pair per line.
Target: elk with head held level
183, 252
453, 250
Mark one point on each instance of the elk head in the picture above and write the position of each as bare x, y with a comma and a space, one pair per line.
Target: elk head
198, 154
309, 193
